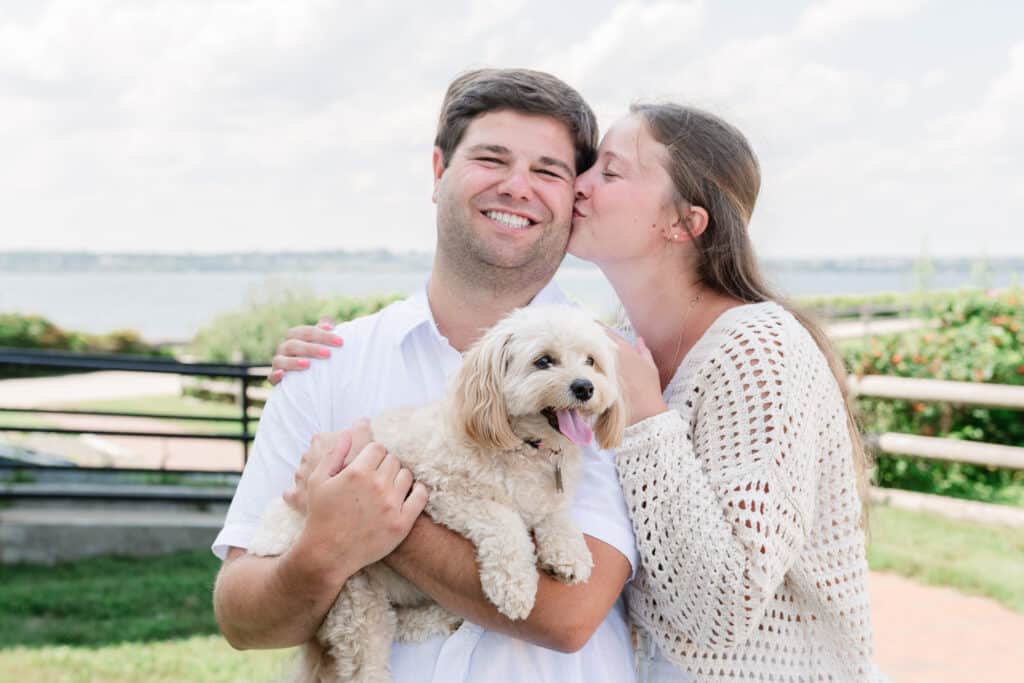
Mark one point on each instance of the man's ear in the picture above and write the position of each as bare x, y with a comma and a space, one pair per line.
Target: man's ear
438, 164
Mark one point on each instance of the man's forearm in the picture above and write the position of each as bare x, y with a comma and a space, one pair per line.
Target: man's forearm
272, 602
443, 565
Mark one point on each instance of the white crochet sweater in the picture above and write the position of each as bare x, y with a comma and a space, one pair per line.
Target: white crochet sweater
744, 501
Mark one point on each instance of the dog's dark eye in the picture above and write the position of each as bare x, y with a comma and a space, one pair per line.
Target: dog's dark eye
544, 362
590, 360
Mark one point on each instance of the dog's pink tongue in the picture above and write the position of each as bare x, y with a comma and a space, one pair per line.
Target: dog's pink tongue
574, 427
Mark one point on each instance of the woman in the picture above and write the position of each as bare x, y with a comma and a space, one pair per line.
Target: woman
742, 466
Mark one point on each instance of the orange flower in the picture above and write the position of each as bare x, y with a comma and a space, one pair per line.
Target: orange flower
897, 358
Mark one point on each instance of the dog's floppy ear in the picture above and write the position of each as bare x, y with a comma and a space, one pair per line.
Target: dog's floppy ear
479, 405
611, 424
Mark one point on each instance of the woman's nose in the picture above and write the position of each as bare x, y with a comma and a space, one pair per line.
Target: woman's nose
582, 187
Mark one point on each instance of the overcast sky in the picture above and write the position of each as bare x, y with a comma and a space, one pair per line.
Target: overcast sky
882, 125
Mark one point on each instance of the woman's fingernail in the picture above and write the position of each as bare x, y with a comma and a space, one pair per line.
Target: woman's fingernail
326, 326
337, 341
303, 363
323, 353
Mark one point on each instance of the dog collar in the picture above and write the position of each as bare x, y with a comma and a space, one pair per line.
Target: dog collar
536, 444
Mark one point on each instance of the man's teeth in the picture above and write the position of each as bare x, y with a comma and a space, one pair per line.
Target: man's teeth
508, 219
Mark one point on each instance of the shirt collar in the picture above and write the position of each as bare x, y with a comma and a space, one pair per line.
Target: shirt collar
415, 311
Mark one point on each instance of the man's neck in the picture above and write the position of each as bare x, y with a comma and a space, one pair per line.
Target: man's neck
463, 310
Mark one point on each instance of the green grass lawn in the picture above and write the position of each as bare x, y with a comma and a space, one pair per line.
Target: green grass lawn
972, 558
200, 659
121, 619
23, 420
175, 405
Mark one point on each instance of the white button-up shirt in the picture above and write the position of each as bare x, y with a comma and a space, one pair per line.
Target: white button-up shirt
395, 358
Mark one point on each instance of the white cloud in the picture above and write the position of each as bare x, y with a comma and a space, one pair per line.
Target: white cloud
176, 124
824, 19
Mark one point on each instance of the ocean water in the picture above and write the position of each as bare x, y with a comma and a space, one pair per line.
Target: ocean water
173, 306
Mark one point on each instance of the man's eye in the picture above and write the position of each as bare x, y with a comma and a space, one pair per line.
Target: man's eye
590, 360
490, 160
550, 173
544, 362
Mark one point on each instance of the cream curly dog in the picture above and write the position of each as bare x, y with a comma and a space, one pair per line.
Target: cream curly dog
501, 456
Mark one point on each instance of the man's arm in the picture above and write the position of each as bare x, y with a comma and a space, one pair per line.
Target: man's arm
353, 519
443, 565
272, 602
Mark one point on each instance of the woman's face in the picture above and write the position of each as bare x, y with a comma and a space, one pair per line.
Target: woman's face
624, 201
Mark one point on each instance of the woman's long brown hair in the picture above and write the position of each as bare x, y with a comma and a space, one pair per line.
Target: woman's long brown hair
713, 166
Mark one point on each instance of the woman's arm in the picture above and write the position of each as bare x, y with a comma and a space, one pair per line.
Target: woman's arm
721, 511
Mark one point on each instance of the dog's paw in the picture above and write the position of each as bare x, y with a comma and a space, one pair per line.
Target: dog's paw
512, 591
569, 562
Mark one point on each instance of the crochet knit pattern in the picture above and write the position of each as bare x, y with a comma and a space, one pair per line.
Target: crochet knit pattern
744, 501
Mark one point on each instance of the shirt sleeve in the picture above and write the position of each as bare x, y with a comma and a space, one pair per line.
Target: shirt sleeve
290, 419
599, 508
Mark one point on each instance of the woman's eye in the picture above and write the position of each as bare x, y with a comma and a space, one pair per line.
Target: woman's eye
543, 363
590, 360
609, 174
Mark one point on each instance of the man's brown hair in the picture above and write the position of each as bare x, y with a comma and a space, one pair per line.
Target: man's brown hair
529, 92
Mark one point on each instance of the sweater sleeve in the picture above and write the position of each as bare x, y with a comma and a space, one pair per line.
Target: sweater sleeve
721, 507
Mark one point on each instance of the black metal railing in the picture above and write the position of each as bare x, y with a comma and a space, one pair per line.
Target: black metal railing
245, 373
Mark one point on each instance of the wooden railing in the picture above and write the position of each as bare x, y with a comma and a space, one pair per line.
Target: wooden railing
951, 450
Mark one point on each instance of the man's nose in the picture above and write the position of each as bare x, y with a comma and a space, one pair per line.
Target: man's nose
517, 184
582, 389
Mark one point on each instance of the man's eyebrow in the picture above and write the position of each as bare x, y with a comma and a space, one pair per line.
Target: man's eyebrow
551, 161
494, 149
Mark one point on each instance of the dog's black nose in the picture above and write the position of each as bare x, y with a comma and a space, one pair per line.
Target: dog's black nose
582, 389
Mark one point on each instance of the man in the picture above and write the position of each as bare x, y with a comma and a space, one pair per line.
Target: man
508, 147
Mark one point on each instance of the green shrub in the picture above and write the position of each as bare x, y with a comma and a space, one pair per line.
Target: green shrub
256, 330
979, 338
36, 332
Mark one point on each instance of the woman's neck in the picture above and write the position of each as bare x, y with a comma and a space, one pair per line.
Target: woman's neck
667, 305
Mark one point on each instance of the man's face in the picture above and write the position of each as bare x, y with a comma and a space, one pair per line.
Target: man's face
505, 199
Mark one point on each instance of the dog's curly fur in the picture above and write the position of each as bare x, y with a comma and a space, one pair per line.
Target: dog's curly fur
489, 452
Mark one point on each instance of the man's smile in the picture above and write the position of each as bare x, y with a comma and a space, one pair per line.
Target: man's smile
509, 220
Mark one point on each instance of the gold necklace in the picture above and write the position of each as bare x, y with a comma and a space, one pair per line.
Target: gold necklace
682, 332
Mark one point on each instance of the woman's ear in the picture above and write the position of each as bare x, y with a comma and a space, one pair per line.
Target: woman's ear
478, 402
689, 223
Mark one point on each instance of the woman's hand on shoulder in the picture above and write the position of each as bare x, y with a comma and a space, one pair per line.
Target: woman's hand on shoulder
641, 384
302, 343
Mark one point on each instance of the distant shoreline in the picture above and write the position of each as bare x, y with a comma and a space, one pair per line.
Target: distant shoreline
383, 260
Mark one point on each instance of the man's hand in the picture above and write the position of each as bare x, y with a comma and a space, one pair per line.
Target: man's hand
354, 518
350, 441
357, 515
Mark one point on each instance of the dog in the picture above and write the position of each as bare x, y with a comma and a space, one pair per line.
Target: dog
501, 456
